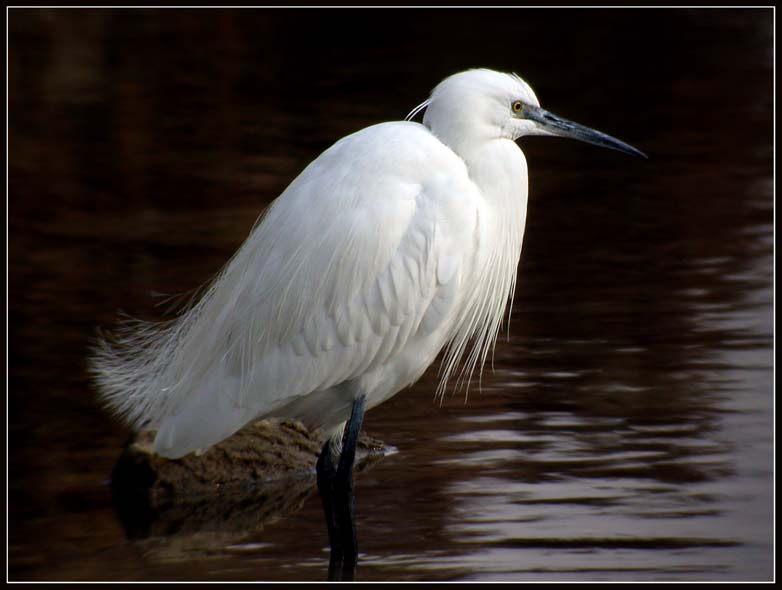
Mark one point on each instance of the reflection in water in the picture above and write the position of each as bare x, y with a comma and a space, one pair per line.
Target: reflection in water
187, 528
626, 432
198, 506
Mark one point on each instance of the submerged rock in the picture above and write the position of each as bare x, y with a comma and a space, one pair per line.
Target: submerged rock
260, 454
231, 491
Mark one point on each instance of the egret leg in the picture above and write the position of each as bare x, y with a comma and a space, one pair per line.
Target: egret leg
327, 471
335, 486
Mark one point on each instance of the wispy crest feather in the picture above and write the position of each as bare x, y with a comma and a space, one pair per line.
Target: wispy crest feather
411, 115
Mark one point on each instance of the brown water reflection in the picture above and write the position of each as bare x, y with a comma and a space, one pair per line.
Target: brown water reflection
626, 432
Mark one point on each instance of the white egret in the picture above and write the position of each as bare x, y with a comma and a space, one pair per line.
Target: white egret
397, 241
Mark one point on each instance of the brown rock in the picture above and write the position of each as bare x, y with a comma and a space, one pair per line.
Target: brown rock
270, 460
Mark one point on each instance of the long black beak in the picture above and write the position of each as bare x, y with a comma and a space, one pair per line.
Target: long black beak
564, 128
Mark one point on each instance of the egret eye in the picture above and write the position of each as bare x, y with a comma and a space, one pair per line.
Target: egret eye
517, 106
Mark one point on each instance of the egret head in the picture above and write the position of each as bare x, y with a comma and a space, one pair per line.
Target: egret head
480, 105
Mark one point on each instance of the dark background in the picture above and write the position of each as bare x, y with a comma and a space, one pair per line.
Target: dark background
144, 143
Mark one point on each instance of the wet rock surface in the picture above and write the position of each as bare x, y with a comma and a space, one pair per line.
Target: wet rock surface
263, 452
260, 473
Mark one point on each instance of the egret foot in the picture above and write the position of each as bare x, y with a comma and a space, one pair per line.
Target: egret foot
335, 486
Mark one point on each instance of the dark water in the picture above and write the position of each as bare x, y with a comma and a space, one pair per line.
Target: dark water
626, 432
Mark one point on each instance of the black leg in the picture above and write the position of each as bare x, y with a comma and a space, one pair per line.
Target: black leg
327, 471
335, 485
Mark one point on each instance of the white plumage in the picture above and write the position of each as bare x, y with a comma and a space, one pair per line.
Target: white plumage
398, 240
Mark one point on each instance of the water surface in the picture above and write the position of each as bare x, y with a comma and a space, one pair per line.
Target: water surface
626, 430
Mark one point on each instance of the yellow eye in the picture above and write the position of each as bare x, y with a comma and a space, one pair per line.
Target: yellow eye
517, 106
